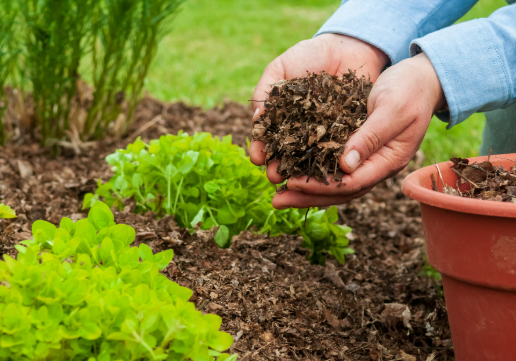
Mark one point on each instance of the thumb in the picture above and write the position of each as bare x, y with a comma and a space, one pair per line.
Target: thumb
382, 126
272, 73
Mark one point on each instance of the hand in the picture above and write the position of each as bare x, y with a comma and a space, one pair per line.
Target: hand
334, 54
400, 107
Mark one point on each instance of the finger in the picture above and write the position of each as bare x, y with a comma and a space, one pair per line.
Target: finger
272, 173
295, 199
384, 124
315, 187
256, 153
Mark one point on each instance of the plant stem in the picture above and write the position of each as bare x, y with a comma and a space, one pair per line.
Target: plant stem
177, 194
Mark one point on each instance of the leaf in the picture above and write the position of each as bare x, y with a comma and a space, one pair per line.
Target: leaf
67, 224
137, 180
146, 252
106, 247
89, 200
123, 233
6, 211
43, 231
220, 341
163, 258
100, 216
332, 214
84, 229
211, 186
198, 217
222, 236
226, 216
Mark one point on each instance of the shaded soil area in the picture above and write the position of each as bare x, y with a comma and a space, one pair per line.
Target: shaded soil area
272, 300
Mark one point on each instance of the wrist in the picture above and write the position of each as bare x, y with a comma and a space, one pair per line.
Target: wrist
436, 93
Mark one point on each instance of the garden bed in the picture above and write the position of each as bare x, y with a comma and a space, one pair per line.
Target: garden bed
272, 300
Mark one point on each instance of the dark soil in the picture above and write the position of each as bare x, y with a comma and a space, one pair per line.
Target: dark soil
487, 181
272, 300
308, 120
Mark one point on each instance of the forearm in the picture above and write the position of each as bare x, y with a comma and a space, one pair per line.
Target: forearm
475, 62
391, 25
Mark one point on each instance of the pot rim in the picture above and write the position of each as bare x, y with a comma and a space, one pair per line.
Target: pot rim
412, 188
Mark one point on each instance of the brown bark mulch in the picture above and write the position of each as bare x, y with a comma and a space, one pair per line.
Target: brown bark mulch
272, 300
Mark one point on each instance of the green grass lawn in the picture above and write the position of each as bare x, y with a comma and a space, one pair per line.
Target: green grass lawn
219, 49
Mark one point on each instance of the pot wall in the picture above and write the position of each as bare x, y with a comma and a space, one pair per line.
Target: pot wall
470, 247
482, 321
473, 244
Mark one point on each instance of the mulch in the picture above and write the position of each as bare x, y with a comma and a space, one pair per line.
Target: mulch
272, 300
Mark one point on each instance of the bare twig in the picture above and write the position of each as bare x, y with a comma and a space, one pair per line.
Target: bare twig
146, 126
434, 183
440, 175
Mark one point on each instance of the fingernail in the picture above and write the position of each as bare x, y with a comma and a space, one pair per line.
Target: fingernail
295, 188
352, 159
256, 112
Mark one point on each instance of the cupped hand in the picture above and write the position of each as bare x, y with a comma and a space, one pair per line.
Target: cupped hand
333, 53
400, 107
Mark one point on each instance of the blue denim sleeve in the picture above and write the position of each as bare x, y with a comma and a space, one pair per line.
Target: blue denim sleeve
391, 25
475, 62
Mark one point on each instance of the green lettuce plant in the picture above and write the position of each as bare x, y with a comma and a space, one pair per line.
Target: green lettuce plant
80, 292
202, 179
6, 211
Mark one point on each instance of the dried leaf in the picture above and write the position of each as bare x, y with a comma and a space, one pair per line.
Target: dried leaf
308, 120
331, 274
402, 356
25, 169
331, 319
488, 182
396, 311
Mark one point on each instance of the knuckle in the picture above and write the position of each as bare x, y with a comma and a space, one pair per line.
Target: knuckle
371, 142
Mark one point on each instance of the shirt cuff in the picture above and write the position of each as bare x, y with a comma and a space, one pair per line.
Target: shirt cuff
470, 66
377, 23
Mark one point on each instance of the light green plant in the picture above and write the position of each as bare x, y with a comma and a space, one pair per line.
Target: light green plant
202, 179
80, 292
6, 211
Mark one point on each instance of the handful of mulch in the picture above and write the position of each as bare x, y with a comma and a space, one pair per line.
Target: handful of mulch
488, 182
308, 120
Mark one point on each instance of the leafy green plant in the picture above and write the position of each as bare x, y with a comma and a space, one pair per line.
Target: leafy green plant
80, 292
55, 34
128, 33
6, 211
202, 179
8, 52
56, 39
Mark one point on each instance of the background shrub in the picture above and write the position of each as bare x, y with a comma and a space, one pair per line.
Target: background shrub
113, 41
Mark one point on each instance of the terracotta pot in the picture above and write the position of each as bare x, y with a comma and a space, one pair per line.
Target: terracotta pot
473, 244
